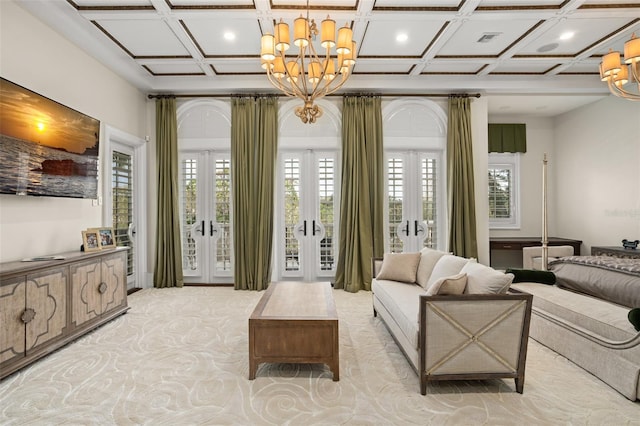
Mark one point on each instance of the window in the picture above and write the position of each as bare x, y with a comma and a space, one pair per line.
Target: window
504, 204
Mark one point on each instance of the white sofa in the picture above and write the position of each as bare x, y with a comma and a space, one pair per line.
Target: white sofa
452, 317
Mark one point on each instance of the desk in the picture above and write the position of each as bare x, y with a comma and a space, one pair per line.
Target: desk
517, 243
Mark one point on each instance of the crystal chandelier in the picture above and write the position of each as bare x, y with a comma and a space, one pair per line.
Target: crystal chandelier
617, 74
308, 76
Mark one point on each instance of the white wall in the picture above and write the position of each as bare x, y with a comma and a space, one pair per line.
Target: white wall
598, 160
540, 140
34, 56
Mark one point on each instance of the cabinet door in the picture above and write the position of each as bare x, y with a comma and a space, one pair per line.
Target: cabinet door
47, 300
114, 278
86, 299
12, 302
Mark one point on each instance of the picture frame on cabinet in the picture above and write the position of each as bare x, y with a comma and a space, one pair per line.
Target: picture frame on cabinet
91, 240
106, 237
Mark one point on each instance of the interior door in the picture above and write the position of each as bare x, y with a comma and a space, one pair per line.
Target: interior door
205, 194
412, 201
308, 206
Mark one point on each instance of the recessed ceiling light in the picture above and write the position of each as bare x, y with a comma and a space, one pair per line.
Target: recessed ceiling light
402, 37
566, 36
229, 36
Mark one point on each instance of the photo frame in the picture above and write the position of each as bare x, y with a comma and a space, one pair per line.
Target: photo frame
106, 237
91, 240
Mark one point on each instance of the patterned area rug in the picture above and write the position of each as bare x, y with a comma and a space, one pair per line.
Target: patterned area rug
179, 357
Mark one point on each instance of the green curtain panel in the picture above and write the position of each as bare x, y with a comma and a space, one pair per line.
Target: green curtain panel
361, 205
507, 137
254, 141
460, 181
168, 256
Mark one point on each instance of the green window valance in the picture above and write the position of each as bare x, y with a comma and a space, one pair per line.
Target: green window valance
507, 138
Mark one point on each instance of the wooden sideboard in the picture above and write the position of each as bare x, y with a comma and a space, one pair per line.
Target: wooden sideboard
517, 244
46, 304
615, 251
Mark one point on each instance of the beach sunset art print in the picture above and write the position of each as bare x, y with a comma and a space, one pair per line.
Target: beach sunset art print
46, 148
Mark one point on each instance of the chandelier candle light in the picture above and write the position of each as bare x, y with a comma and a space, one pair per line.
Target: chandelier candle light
617, 74
308, 76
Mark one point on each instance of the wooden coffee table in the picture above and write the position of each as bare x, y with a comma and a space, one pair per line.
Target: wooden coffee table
295, 322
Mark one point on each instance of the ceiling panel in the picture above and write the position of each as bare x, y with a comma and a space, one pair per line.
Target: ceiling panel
465, 39
520, 3
145, 37
584, 32
417, 3
182, 3
452, 67
111, 3
237, 67
381, 37
175, 69
523, 67
366, 66
225, 36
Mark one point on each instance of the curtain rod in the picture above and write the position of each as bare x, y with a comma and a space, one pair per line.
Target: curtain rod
384, 95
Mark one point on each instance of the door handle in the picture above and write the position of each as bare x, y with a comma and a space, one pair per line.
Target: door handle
313, 228
304, 228
406, 229
201, 229
415, 228
131, 231
211, 228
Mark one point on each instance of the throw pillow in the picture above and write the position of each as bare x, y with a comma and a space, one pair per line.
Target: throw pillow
399, 267
449, 285
446, 266
428, 259
482, 279
634, 318
532, 276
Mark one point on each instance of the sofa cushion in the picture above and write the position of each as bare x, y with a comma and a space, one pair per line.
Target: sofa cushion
446, 266
399, 267
403, 303
454, 284
482, 279
428, 259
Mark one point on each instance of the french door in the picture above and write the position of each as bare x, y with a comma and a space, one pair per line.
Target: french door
307, 215
205, 194
124, 206
412, 201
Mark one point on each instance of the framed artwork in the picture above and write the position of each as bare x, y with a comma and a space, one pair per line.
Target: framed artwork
91, 240
46, 148
106, 237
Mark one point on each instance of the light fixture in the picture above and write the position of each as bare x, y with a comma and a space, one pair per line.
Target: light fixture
618, 74
308, 76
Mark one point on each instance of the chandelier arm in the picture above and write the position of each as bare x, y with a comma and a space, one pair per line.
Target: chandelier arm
278, 85
621, 93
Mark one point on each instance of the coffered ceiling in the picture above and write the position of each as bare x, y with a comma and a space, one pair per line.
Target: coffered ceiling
497, 47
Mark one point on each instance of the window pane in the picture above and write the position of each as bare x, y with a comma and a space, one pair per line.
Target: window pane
122, 187
189, 186
223, 207
500, 184
325, 193
291, 213
395, 184
429, 185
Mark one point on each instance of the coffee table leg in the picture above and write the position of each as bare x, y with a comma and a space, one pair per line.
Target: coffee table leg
252, 368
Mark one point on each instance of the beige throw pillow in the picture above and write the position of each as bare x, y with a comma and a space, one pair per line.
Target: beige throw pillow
482, 279
446, 266
449, 285
428, 259
399, 267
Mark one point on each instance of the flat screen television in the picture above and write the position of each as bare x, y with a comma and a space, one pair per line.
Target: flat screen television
46, 148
